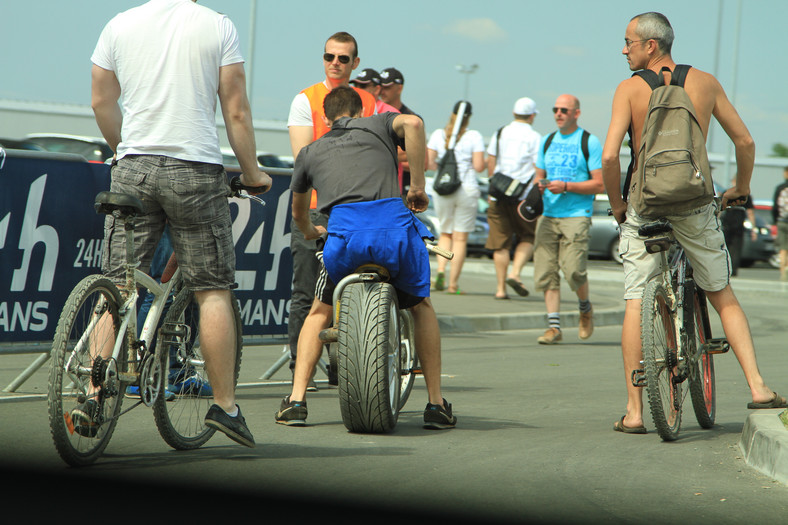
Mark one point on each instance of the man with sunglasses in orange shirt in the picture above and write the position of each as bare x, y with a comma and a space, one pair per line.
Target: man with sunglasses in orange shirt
305, 125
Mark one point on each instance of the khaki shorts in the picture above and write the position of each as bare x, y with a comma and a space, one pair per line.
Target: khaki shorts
505, 223
561, 246
192, 198
698, 231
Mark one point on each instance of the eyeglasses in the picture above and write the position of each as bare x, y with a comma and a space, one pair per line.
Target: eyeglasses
343, 59
563, 111
628, 42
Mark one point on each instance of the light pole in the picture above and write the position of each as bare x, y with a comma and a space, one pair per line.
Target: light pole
467, 70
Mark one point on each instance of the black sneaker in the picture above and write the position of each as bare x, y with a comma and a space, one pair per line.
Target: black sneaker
438, 418
234, 427
86, 418
291, 413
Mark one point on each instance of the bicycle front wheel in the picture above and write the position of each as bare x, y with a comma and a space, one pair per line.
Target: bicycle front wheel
701, 378
80, 377
660, 361
368, 351
180, 410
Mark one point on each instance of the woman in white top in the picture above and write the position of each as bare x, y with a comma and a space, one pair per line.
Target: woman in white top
456, 212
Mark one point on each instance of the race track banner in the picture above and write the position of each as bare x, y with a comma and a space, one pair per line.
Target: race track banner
51, 238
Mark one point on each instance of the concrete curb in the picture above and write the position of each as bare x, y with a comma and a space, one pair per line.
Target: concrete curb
463, 324
764, 442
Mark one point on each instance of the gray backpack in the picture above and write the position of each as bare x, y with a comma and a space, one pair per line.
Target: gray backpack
673, 174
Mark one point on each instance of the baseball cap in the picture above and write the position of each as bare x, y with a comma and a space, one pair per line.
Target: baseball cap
366, 76
390, 76
525, 106
467, 107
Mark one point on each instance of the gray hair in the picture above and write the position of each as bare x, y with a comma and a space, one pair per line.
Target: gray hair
655, 26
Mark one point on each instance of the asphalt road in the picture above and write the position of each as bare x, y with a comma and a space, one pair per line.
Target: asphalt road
534, 443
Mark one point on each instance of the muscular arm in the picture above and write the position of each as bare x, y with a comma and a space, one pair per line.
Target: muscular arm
105, 92
237, 115
620, 120
743, 144
411, 128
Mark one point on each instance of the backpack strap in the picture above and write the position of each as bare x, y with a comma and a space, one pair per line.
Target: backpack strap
547, 142
679, 75
498, 142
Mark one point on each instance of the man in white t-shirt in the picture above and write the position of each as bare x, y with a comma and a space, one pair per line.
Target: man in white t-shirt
512, 151
167, 61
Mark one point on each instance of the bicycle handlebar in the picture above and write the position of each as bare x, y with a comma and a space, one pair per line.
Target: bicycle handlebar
439, 251
237, 187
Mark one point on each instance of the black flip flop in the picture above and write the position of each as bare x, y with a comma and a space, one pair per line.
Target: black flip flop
776, 402
518, 287
619, 426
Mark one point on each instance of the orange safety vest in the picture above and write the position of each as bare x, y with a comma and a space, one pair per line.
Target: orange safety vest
316, 94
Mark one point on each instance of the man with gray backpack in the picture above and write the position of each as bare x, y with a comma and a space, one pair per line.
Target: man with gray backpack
671, 152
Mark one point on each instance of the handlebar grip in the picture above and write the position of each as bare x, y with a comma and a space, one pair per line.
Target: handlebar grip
440, 251
236, 185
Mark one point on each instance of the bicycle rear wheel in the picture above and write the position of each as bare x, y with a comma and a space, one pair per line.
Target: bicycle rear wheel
368, 353
408, 358
659, 361
702, 389
88, 323
181, 421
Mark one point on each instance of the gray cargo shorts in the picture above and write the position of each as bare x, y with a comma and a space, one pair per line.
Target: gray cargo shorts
192, 198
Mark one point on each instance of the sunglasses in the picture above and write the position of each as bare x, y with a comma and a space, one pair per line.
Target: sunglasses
343, 59
563, 111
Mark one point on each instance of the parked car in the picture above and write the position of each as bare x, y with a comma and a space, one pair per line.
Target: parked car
94, 149
20, 144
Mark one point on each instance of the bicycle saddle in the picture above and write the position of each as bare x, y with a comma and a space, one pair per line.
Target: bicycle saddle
655, 228
374, 268
108, 202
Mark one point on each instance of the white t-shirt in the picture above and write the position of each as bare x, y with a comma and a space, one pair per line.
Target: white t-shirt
166, 55
469, 143
519, 149
300, 111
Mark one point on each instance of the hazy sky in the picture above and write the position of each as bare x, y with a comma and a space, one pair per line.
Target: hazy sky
522, 48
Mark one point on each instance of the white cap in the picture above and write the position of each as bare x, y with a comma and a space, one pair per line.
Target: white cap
525, 106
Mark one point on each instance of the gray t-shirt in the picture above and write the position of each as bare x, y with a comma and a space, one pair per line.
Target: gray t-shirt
354, 162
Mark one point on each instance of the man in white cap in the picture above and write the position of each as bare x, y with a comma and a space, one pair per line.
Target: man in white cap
512, 151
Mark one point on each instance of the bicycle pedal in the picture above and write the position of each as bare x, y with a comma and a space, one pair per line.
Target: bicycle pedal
329, 335
639, 377
716, 346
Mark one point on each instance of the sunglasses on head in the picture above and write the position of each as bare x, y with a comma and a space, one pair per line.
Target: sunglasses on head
563, 111
343, 59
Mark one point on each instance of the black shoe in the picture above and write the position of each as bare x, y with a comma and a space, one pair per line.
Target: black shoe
86, 418
291, 413
234, 427
438, 418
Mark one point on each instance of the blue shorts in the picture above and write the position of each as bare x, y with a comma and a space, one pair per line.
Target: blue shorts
382, 232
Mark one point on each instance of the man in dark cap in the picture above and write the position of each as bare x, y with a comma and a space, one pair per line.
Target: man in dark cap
391, 83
